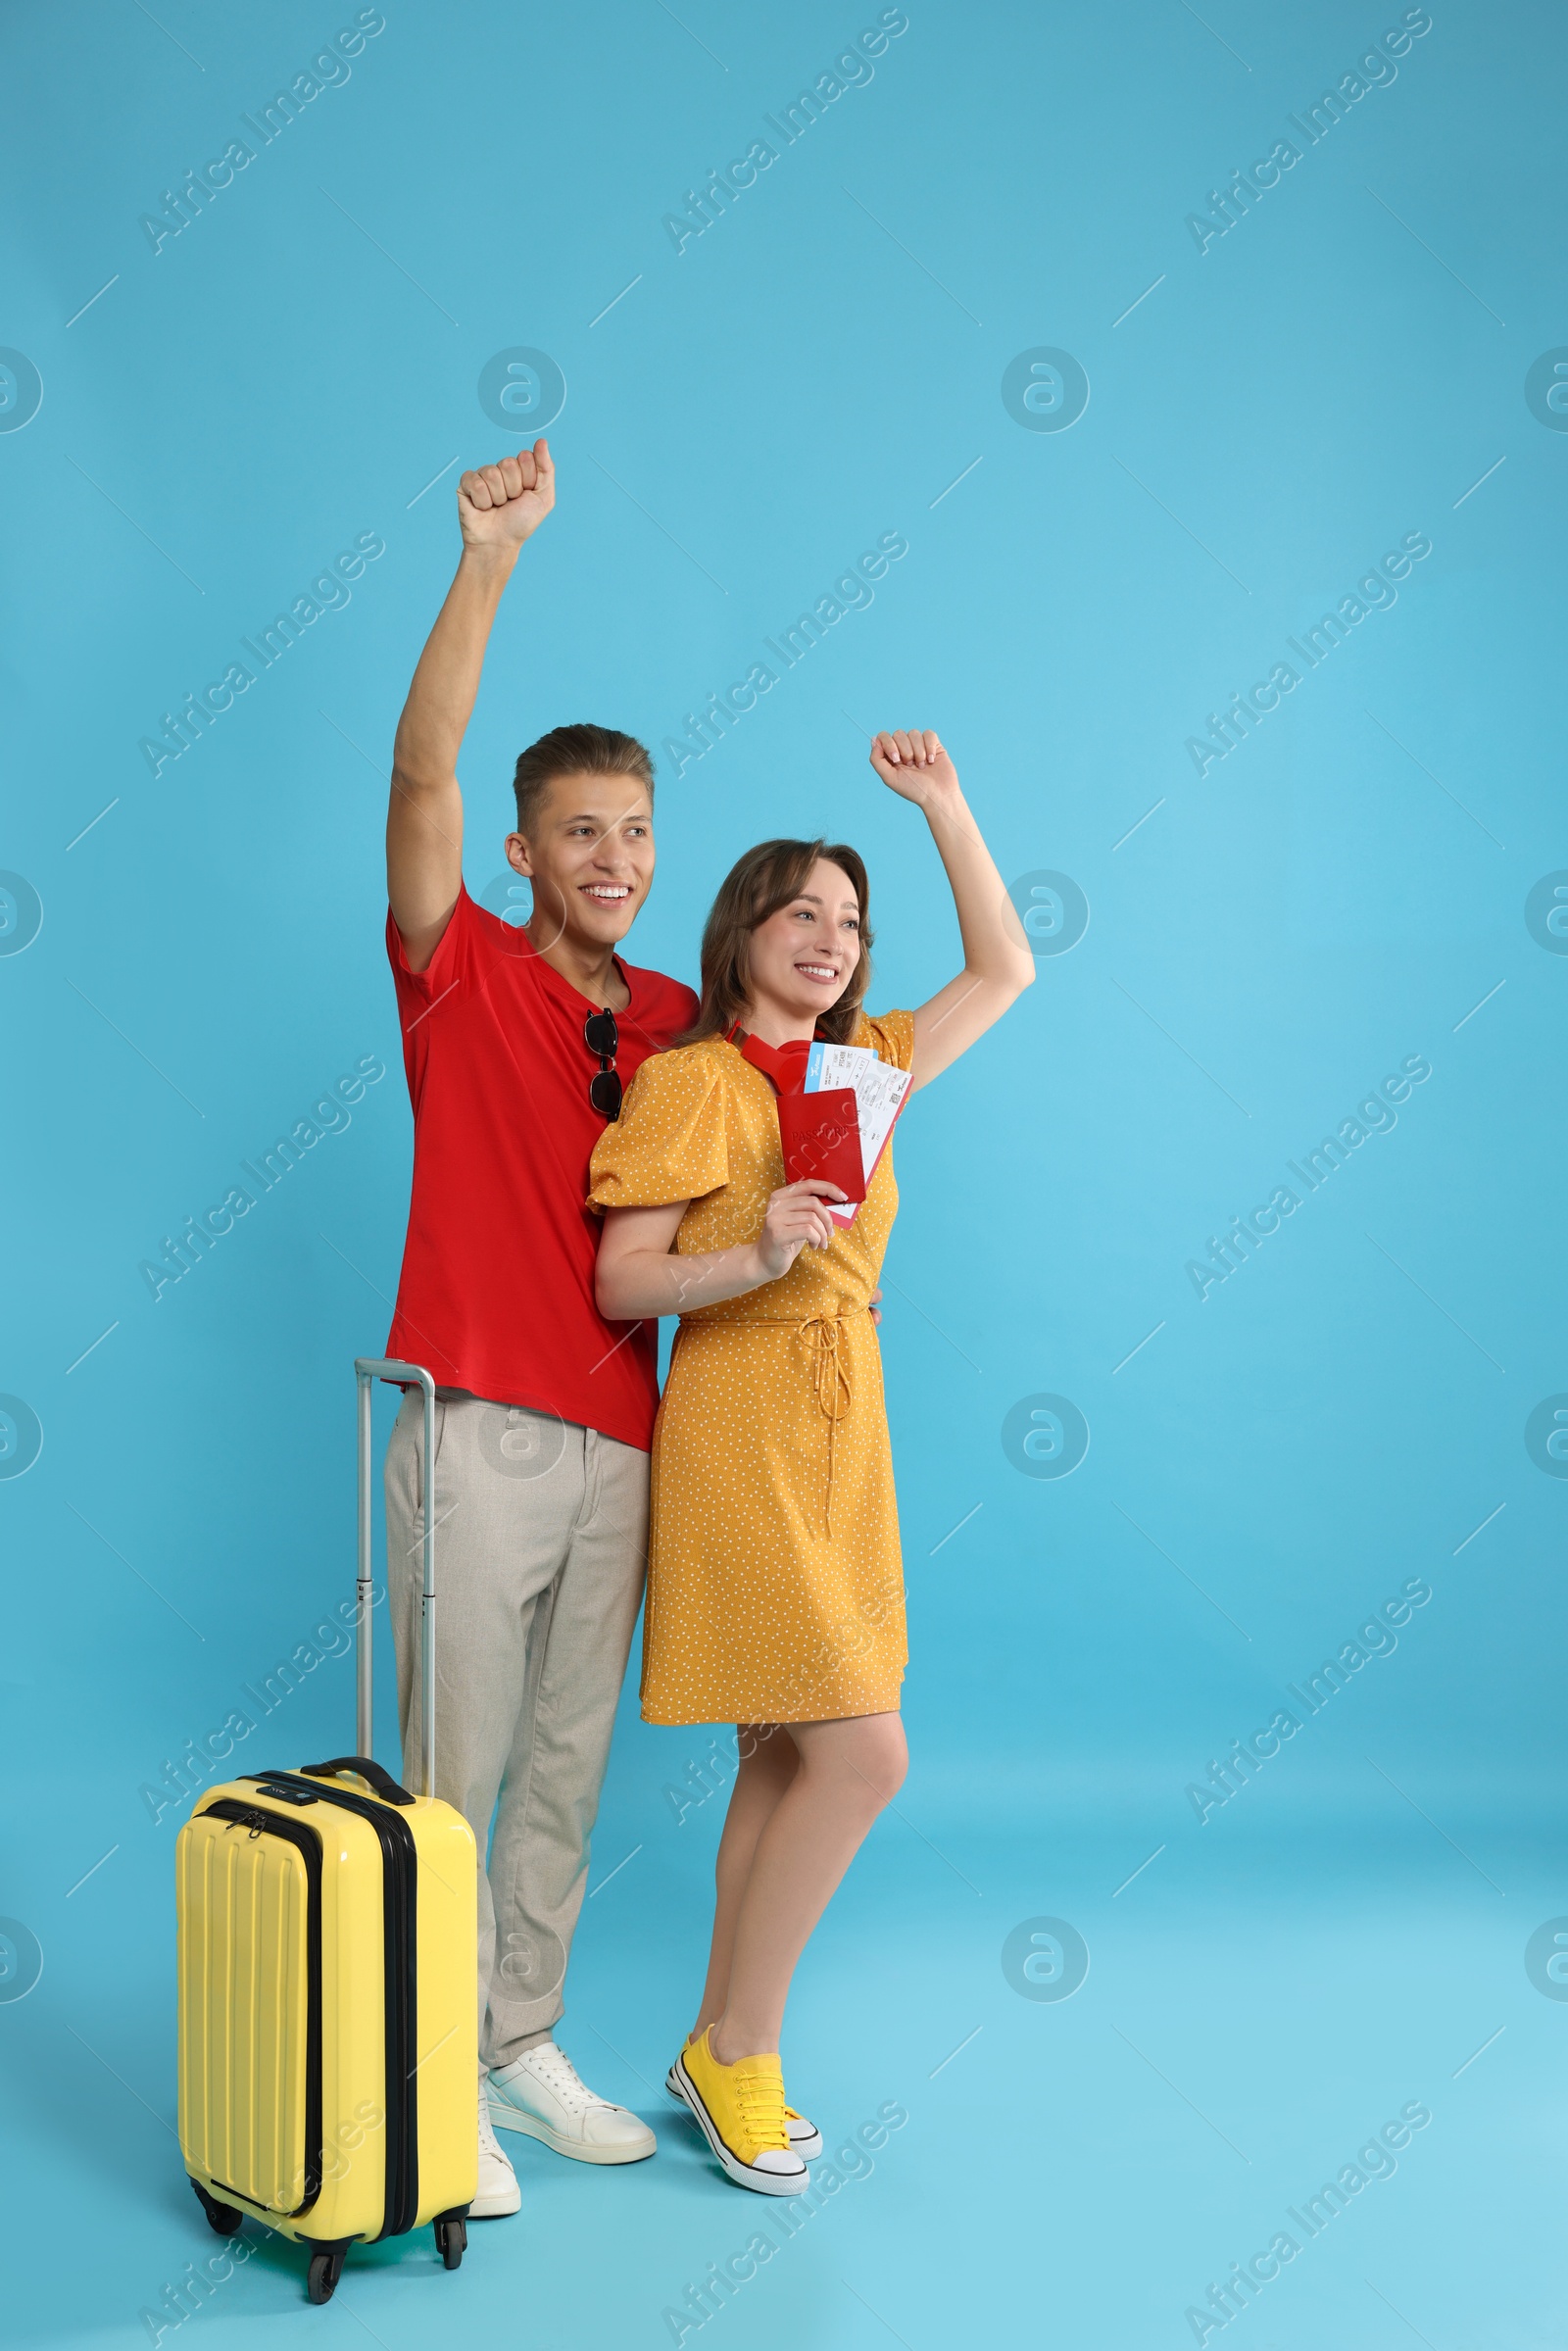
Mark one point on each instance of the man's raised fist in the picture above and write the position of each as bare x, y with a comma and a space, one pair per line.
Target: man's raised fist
501, 505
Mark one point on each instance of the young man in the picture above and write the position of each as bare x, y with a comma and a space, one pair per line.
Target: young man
517, 1044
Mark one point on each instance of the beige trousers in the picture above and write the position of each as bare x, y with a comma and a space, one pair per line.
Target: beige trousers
541, 1541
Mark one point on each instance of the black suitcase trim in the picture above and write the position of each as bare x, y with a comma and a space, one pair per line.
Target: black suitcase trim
398, 1893
309, 1846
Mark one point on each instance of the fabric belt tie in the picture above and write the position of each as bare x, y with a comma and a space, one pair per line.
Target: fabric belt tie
830, 1375
831, 1379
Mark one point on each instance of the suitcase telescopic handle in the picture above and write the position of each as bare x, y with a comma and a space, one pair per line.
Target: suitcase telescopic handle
369, 1368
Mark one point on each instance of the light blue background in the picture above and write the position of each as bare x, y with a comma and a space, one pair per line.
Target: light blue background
1342, 890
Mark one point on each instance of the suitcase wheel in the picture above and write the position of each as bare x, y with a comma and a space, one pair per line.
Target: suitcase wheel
452, 2238
221, 2217
326, 2268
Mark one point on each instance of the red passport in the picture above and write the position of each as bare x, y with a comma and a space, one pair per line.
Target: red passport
821, 1137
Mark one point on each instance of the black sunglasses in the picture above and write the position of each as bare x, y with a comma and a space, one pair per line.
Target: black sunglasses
601, 1037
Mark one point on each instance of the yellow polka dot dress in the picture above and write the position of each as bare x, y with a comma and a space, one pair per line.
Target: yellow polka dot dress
775, 1584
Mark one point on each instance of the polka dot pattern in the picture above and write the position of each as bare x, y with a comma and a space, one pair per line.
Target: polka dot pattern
775, 1584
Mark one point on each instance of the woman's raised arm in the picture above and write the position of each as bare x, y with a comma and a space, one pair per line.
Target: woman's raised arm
998, 965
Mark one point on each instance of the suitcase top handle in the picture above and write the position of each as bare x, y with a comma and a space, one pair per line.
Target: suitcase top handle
386, 1788
410, 1375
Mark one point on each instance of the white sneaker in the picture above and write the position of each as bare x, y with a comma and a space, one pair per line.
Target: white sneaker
498, 2192
540, 2093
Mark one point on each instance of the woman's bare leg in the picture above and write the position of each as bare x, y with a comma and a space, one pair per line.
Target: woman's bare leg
768, 1761
848, 1771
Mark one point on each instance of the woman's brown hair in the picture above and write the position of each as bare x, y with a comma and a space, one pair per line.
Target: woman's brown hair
758, 885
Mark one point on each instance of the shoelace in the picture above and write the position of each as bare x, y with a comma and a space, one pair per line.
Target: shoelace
560, 2075
488, 2142
760, 2099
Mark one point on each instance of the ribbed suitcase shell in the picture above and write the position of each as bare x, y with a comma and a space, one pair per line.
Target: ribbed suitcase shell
243, 1904
247, 2128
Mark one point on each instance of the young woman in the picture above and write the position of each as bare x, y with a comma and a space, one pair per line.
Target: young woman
776, 1592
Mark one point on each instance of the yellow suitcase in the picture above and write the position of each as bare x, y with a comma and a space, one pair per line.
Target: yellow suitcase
328, 2017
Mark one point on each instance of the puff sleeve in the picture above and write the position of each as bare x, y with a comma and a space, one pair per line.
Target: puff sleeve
890, 1034
669, 1143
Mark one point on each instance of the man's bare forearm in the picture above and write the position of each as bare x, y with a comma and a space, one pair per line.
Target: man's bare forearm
498, 506
441, 698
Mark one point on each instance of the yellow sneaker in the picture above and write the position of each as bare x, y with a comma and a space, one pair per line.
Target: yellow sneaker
804, 2135
739, 2111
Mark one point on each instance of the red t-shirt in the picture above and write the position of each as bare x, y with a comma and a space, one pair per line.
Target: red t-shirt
497, 1290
